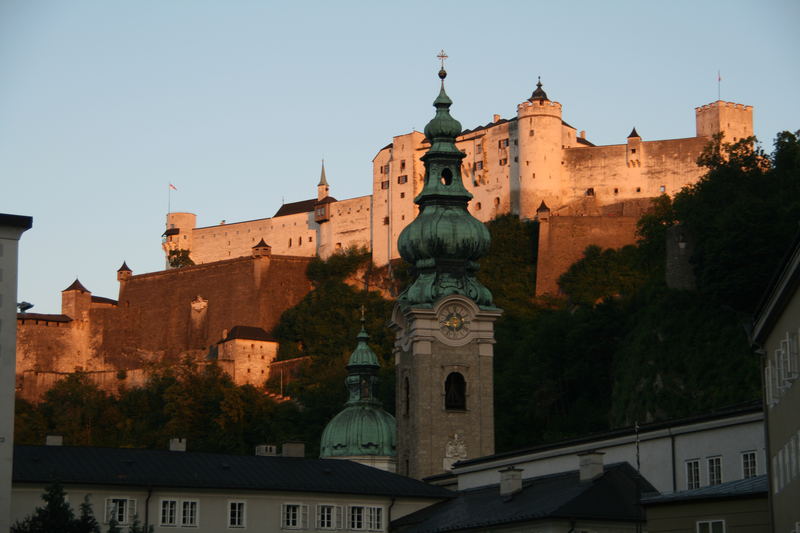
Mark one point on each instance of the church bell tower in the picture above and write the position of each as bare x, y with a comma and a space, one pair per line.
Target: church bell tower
444, 320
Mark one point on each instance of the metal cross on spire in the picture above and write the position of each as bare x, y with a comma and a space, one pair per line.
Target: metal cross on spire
363, 314
442, 56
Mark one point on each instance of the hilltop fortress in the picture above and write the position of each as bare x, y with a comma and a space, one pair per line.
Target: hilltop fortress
534, 165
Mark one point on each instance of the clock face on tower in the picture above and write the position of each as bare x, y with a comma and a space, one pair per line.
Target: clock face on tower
452, 321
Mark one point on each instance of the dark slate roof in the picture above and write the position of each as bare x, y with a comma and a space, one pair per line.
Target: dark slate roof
166, 469
542, 207
741, 488
248, 333
634, 134
581, 140
42, 316
124, 267
293, 208
612, 496
171, 231
261, 244
17, 221
754, 406
76, 286
103, 300
326, 200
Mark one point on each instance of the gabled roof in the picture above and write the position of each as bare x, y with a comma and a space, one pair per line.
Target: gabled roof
76, 286
147, 468
740, 488
43, 317
305, 206
634, 134
248, 333
124, 267
261, 244
612, 496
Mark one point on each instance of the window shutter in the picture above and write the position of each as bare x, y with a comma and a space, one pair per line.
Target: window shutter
131, 511
109, 509
304, 516
319, 516
283, 514
338, 517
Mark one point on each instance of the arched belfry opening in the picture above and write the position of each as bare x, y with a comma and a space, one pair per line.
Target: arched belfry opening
455, 392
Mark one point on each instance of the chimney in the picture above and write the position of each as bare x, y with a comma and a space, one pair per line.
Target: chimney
583, 134
510, 481
293, 449
54, 440
177, 445
496, 118
267, 450
591, 465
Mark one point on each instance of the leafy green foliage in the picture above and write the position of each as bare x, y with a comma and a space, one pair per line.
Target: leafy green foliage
179, 258
602, 274
198, 402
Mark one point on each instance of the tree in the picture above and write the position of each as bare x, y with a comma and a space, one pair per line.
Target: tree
179, 258
57, 515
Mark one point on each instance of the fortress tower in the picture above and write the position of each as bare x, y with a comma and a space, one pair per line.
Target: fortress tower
539, 127
444, 320
734, 120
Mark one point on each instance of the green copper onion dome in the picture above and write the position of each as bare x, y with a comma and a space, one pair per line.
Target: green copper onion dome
363, 427
445, 241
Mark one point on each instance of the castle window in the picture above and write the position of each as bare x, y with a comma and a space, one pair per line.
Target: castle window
311, 239
638, 189
633, 150
503, 162
497, 201
386, 169
616, 191
290, 243
299, 241
402, 179
385, 221
478, 206
455, 392
662, 189
478, 148
530, 133
402, 217
402, 195
402, 164
385, 184
590, 191
479, 165
502, 143
338, 246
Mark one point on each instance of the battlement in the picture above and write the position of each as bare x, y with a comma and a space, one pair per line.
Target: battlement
539, 107
721, 103
735, 120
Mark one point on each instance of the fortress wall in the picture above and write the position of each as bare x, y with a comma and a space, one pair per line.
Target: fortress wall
562, 240
490, 186
350, 224
32, 385
226, 241
43, 345
161, 310
671, 164
247, 361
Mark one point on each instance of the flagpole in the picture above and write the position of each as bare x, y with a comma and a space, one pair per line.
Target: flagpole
169, 199
719, 85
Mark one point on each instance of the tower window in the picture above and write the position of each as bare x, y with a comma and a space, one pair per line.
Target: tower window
385, 184
478, 148
590, 191
638, 189
662, 188
402, 179
616, 190
478, 206
402, 195
447, 177
503, 162
402, 164
455, 392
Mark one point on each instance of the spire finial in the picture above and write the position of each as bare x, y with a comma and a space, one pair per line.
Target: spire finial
442, 72
363, 315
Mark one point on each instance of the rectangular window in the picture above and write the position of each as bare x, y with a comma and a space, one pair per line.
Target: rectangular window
356, 519
169, 513
692, 474
402, 164
711, 526
375, 518
478, 148
236, 514
748, 464
502, 143
479, 165
385, 184
294, 516
386, 169
329, 516
503, 162
714, 470
121, 510
402, 179
189, 513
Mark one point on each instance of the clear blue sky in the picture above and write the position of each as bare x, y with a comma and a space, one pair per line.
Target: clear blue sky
102, 104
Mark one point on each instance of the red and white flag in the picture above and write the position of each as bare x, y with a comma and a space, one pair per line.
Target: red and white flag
174, 188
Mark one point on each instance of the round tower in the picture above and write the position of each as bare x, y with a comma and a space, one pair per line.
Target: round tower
363, 432
178, 235
539, 123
